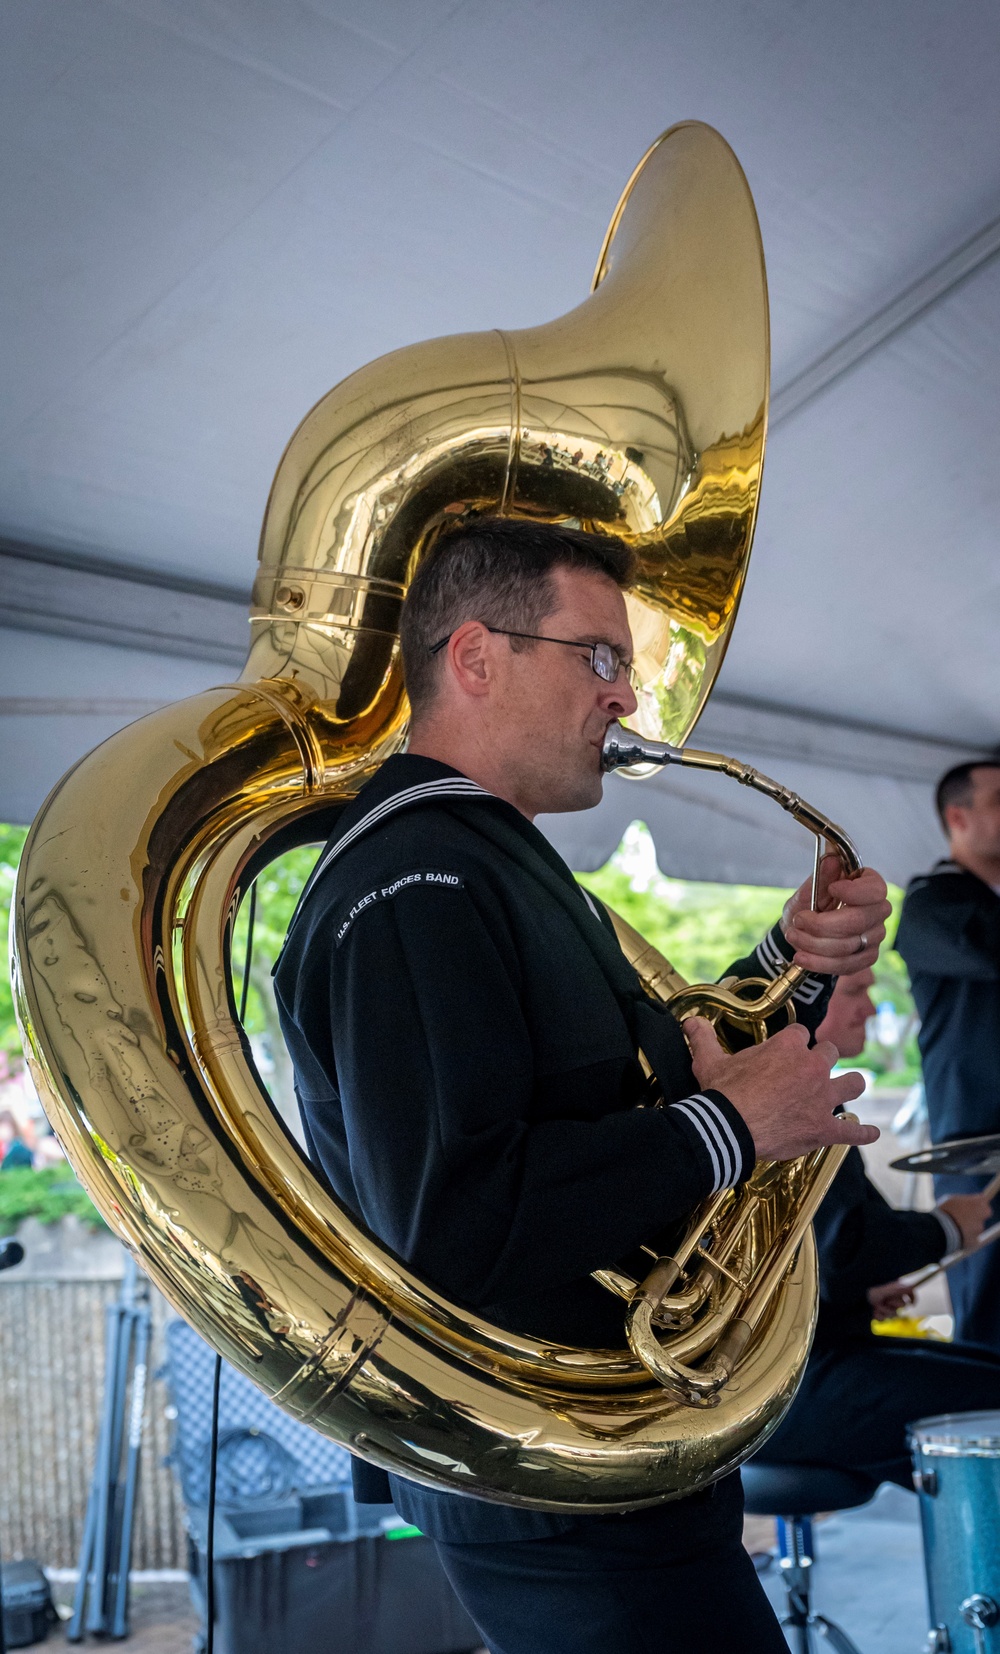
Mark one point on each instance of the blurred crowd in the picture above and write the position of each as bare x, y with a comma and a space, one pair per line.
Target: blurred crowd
26, 1138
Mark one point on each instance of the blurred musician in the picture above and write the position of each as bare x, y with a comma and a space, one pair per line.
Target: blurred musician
949, 936
861, 1389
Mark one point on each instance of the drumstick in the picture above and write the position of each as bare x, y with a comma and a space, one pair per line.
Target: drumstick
917, 1277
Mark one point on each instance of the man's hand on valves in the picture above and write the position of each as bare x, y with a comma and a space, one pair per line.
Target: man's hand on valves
784, 1089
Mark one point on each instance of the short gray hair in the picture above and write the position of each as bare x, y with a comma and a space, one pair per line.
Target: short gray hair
497, 570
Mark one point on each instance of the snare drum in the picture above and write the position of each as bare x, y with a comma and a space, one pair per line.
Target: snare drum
956, 1465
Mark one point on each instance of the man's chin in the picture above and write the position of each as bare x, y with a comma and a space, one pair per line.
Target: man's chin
585, 793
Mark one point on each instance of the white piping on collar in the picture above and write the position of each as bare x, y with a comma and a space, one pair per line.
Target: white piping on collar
425, 791
588, 898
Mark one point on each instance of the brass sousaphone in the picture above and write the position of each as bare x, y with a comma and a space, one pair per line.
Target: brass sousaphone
643, 412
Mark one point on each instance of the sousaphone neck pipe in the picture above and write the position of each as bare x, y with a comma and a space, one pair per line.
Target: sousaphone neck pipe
623, 749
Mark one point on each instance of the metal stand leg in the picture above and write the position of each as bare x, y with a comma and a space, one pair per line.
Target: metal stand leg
795, 1545
96, 1525
101, 1601
141, 1330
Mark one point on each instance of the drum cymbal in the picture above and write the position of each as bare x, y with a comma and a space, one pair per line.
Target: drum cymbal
970, 1156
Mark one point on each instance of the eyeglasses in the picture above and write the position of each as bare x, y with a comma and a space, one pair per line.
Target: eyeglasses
605, 660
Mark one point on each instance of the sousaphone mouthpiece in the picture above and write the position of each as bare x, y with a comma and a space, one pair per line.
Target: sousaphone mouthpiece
623, 747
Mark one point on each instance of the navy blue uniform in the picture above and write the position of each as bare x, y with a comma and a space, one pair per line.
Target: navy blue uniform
949, 937
860, 1389
465, 1033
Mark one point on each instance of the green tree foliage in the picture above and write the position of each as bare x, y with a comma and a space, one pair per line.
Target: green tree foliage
50, 1193
702, 928
278, 889
11, 844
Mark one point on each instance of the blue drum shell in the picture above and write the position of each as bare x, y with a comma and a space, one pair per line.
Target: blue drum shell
960, 1461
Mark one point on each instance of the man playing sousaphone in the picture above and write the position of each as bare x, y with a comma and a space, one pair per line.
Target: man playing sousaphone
465, 1033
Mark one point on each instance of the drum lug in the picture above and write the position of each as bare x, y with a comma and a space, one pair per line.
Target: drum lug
979, 1611
938, 1641
925, 1481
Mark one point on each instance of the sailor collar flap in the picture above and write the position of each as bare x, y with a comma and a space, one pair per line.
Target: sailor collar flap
513, 835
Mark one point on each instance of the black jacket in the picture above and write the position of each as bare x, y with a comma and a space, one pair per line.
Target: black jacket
464, 1030
863, 1242
949, 937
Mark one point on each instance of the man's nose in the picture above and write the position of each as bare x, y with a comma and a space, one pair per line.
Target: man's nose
620, 698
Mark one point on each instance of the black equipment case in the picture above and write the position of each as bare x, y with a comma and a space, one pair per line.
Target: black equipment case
27, 1604
298, 1565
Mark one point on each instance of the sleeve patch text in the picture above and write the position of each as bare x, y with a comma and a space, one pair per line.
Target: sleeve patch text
384, 892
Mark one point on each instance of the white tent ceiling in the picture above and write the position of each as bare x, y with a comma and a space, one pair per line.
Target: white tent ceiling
214, 209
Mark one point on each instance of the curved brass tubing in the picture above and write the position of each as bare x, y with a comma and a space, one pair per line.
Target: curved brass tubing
642, 412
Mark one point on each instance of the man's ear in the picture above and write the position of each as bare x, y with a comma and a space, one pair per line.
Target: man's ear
469, 661
956, 819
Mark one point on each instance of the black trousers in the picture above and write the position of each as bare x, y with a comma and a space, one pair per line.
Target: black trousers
617, 1585
858, 1397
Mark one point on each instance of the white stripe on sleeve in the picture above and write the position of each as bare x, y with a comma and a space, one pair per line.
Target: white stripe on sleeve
718, 1137
729, 1135
952, 1233
696, 1121
809, 991
725, 1158
770, 956
772, 961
